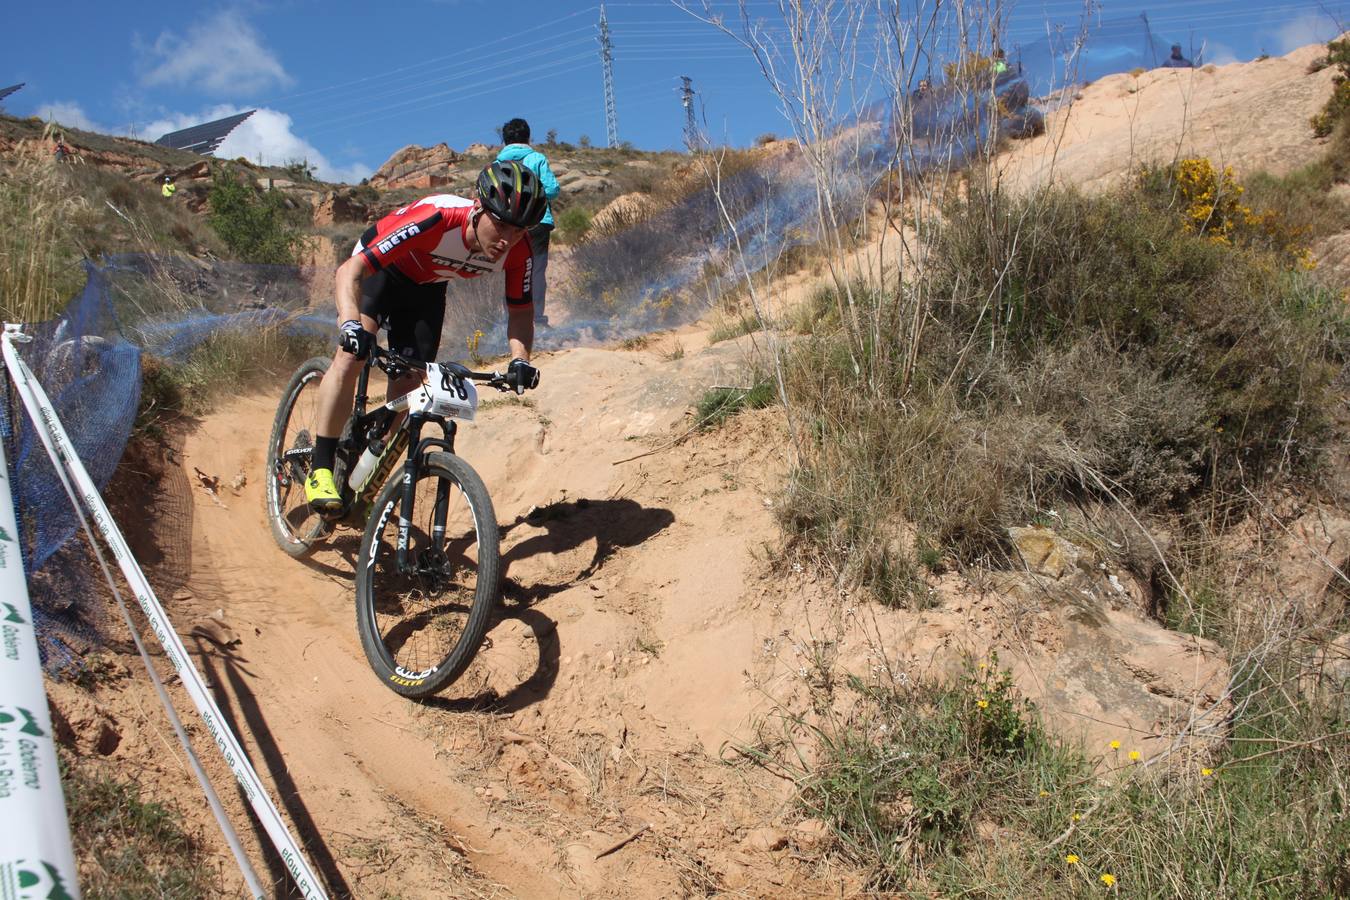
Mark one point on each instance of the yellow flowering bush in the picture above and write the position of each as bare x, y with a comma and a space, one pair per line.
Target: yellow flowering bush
1212, 199
1211, 205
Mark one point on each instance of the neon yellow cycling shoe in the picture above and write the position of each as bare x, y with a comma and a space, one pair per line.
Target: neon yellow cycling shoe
322, 493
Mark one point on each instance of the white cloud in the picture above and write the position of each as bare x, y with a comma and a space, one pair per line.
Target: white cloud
222, 56
69, 114
1309, 28
266, 137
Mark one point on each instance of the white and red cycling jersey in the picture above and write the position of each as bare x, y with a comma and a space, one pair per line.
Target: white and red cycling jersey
428, 242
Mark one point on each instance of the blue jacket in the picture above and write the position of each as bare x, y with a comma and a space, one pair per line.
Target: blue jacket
536, 162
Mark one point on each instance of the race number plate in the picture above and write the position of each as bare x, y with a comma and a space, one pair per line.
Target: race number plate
449, 395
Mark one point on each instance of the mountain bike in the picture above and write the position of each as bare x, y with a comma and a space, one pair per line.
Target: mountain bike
428, 573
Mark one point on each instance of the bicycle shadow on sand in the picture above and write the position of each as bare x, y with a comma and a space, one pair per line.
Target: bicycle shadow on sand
344, 543
613, 525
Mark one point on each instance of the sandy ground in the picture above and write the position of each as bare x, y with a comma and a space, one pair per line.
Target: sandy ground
626, 662
645, 635
1252, 116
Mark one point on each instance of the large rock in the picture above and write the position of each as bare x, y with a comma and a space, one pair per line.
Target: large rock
1312, 566
621, 211
336, 207
1069, 630
588, 184
1043, 551
414, 166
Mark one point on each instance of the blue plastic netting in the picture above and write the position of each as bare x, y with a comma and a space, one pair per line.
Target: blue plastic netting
89, 362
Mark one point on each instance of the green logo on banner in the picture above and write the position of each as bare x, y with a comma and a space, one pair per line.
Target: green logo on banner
49, 882
13, 612
4, 535
30, 725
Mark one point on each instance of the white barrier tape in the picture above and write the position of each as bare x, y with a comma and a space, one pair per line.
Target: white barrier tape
57, 442
36, 859
251, 881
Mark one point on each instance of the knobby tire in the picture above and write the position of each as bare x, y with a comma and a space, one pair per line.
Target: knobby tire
428, 609
295, 527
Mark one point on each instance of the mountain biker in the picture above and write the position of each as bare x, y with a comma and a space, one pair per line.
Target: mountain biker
397, 277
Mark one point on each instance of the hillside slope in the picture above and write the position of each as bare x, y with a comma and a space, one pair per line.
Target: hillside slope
650, 641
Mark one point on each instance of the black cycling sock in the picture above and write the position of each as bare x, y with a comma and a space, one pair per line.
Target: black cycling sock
325, 451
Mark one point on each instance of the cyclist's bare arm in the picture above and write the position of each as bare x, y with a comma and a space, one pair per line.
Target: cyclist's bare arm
347, 291
520, 330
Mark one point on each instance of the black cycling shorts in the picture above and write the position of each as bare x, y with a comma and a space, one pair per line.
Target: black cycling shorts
412, 312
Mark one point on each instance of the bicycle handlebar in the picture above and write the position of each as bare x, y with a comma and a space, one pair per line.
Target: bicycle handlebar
395, 365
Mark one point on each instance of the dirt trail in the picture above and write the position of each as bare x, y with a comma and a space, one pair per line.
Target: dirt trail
623, 662
643, 636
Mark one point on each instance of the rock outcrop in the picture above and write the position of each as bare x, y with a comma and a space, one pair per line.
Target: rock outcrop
336, 207
419, 167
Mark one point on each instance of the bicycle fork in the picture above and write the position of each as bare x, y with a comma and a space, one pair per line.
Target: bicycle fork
440, 512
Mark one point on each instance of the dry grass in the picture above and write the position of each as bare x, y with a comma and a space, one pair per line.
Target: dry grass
39, 259
130, 847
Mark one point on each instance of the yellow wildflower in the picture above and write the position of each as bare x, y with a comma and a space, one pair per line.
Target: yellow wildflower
1072, 859
1108, 879
1045, 793
982, 703
1206, 772
1076, 816
1134, 755
1115, 745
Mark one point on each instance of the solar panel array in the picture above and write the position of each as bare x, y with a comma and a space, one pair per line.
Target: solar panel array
204, 138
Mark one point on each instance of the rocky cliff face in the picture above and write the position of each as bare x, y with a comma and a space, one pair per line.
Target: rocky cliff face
417, 167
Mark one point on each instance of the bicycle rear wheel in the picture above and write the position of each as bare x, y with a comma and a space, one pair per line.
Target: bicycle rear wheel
295, 526
421, 627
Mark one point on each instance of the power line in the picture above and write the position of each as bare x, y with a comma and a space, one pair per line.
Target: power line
541, 56
457, 56
511, 79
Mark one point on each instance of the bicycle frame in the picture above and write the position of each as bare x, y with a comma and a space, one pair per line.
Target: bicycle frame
408, 436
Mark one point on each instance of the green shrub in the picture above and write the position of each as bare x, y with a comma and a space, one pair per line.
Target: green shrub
254, 225
1337, 108
1079, 348
573, 224
733, 327
720, 404
222, 365
955, 788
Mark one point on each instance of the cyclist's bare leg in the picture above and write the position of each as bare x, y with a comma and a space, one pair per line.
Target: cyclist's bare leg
338, 387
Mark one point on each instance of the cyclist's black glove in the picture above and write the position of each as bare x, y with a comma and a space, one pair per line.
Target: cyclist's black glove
521, 375
355, 339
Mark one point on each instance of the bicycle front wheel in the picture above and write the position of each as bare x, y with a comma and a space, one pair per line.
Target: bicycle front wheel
295, 527
421, 626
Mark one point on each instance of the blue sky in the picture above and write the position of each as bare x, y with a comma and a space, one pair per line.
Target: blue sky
346, 84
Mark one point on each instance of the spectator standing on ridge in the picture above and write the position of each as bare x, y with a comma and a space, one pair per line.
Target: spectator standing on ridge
1000, 61
169, 188
1176, 60
60, 152
516, 136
